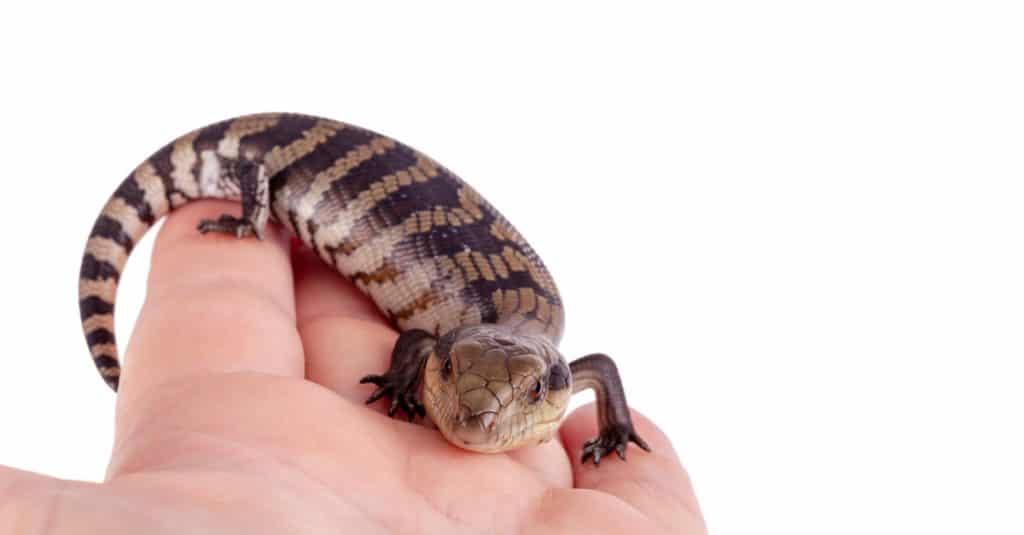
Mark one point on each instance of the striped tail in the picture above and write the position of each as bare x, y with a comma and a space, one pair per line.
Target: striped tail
194, 166
137, 204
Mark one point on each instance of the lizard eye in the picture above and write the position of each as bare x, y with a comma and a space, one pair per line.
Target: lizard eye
536, 392
446, 368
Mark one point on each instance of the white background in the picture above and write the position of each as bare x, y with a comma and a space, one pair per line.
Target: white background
796, 225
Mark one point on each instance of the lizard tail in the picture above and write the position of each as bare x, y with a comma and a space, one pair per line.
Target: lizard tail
188, 168
137, 204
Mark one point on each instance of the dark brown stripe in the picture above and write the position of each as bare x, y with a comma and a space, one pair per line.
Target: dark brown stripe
209, 137
105, 361
367, 173
289, 128
94, 306
302, 173
451, 240
161, 161
327, 153
110, 228
398, 207
416, 197
133, 196
99, 336
93, 269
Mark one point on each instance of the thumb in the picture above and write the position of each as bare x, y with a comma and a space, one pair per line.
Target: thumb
34, 503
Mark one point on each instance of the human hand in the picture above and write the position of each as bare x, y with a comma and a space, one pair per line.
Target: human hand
240, 412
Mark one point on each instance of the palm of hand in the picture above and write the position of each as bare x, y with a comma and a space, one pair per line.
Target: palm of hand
240, 412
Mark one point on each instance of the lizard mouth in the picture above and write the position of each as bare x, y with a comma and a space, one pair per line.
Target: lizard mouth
476, 430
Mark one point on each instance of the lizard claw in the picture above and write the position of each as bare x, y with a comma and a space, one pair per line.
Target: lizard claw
402, 395
612, 438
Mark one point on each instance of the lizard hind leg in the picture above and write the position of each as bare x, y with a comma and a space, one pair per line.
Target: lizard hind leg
254, 185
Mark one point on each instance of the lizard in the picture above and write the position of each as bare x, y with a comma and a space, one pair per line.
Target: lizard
478, 313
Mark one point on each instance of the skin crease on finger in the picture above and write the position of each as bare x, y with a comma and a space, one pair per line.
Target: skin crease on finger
253, 422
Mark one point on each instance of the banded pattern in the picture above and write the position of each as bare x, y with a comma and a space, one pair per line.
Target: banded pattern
422, 244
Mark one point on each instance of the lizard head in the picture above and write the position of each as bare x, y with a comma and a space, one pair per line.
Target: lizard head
490, 390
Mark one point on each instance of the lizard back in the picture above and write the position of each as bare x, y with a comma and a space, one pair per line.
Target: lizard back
422, 244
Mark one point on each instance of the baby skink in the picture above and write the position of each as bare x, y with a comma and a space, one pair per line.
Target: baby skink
479, 314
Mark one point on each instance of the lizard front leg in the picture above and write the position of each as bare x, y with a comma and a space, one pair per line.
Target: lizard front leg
598, 372
405, 375
255, 188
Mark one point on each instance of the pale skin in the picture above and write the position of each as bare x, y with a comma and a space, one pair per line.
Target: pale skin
240, 412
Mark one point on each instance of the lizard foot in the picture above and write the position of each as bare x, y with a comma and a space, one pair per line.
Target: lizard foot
402, 391
615, 438
228, 224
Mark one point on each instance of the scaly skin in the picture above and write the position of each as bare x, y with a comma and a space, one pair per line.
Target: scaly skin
480, 314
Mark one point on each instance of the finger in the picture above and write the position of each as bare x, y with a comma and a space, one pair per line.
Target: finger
34, 503
20, 492
654, 483
344, 336
214, 304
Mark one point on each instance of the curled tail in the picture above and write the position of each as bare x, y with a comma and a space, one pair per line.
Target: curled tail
231, 159
213, 162
138, 203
